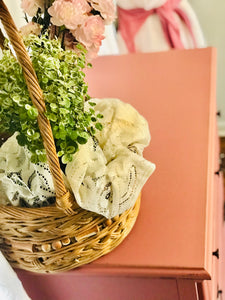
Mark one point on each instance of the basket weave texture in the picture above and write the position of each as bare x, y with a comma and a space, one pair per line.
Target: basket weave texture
65, 236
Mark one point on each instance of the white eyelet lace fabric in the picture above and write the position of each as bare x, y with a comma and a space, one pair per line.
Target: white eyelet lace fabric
23, 183
108, 173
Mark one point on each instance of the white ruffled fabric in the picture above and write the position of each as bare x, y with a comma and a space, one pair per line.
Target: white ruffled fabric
10, 286
22, 182
150, 38
108, 173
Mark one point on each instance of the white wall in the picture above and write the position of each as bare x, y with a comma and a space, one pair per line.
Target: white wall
211, 14
16, 12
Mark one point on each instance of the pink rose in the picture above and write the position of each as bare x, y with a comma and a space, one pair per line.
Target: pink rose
106, 8
29, 28
31, 6
70, 13
90, 32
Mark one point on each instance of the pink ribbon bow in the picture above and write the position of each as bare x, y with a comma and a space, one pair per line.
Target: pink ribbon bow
130, 21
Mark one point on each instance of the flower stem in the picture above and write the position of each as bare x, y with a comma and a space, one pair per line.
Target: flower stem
62, 42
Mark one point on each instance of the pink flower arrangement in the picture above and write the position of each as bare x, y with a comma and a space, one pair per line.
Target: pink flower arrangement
81, 20
69, 13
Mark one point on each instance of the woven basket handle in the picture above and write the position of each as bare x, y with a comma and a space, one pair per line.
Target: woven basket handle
64, 199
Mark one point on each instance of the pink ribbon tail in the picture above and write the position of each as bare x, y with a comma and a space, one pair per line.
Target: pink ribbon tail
130, 22
187, 22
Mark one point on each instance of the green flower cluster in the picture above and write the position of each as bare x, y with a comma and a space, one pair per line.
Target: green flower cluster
61, 78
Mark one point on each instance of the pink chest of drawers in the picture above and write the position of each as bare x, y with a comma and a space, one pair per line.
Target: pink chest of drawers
169, 253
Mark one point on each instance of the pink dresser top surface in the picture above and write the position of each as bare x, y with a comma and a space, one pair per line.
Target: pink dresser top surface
173, 91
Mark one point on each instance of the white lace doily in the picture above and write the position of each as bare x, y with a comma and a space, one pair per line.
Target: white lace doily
108, 173
23, 183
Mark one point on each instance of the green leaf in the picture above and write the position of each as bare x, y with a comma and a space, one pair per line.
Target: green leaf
93, 131
54, 107
70, 150
36, 136
91, 103
42, 157
63, 145
30, 132
28, 106
32, 113
34, 158
21, 139
60, 153
67, 158
98, 126
100, 116
52, 117
82, 137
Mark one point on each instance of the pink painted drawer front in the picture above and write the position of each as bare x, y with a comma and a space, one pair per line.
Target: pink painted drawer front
72, 287
216, 284
221, 282
216, 213
172, 238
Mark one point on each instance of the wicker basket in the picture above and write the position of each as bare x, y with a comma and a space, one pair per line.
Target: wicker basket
61, 237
